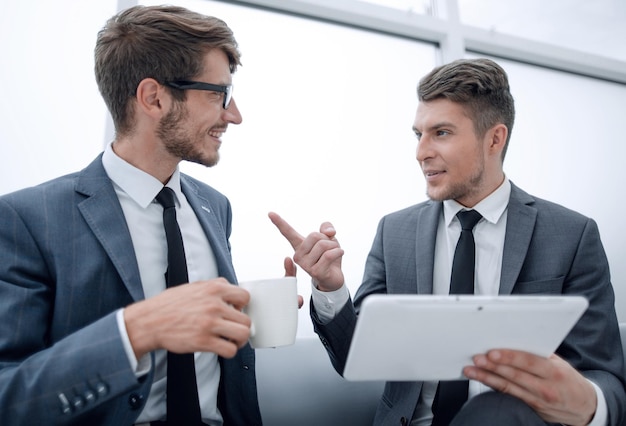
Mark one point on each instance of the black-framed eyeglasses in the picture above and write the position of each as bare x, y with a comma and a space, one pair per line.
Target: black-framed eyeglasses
198, 85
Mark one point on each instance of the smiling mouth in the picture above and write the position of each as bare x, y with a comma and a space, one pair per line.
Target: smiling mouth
217, 134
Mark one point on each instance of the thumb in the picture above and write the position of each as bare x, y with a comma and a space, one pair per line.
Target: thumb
290, 267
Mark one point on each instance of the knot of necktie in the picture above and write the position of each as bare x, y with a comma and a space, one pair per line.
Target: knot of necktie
166, 198
468, 219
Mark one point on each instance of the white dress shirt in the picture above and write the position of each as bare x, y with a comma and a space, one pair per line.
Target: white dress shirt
489, 235
136, 191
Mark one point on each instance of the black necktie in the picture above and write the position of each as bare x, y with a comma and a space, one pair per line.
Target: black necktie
451, 395
183, 407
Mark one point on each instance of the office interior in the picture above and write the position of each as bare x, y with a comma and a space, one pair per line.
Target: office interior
328, 95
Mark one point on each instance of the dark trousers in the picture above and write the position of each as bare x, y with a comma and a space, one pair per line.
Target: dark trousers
497, 409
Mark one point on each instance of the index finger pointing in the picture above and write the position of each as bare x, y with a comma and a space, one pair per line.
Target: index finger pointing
294, 238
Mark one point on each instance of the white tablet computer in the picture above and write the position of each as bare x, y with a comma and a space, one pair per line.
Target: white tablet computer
420, 337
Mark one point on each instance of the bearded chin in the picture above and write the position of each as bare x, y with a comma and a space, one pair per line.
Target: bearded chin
458, 190
179, 143
203, 160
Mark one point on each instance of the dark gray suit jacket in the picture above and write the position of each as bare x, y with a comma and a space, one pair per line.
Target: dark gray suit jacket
548, 249
66, 265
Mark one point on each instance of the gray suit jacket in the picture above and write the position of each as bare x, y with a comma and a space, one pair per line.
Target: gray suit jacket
66, 265
548, 249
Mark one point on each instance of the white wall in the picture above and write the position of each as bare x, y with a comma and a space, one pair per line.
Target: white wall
326, 133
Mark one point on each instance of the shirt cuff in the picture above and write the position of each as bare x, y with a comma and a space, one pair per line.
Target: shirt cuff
601, 417
142, 366
329, 303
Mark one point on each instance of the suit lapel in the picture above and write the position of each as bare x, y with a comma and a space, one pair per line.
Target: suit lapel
427, 224
103, 213
521, 217
213, 229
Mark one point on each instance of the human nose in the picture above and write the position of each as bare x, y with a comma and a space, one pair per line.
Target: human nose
423, 150
232, 113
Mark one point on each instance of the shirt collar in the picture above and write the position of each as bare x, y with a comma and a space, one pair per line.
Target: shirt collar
491, 207
140, 186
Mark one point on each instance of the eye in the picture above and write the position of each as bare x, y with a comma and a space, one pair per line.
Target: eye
215, 95
442, 132
418, 135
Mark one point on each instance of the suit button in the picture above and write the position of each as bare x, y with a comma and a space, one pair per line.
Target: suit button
78, 402
89, 396
135, 401
101, 389
403, 421
65, 404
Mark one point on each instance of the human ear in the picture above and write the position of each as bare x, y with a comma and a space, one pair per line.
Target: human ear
151, 98
497, 138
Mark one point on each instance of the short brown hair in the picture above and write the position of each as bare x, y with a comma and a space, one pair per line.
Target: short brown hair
480, 85
161, 42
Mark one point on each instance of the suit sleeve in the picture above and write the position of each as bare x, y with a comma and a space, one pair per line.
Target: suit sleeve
336, 335
44, 380
594, 345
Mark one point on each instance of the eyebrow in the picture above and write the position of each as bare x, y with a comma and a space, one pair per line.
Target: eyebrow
437, 126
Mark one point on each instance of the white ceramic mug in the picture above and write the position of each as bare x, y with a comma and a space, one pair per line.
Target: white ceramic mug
273, 310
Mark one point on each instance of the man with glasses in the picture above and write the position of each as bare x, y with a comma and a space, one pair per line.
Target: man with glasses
87, 325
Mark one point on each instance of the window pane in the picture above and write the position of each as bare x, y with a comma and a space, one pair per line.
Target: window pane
52, 115
594, 27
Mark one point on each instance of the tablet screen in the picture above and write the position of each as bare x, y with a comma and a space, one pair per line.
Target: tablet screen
431, 337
